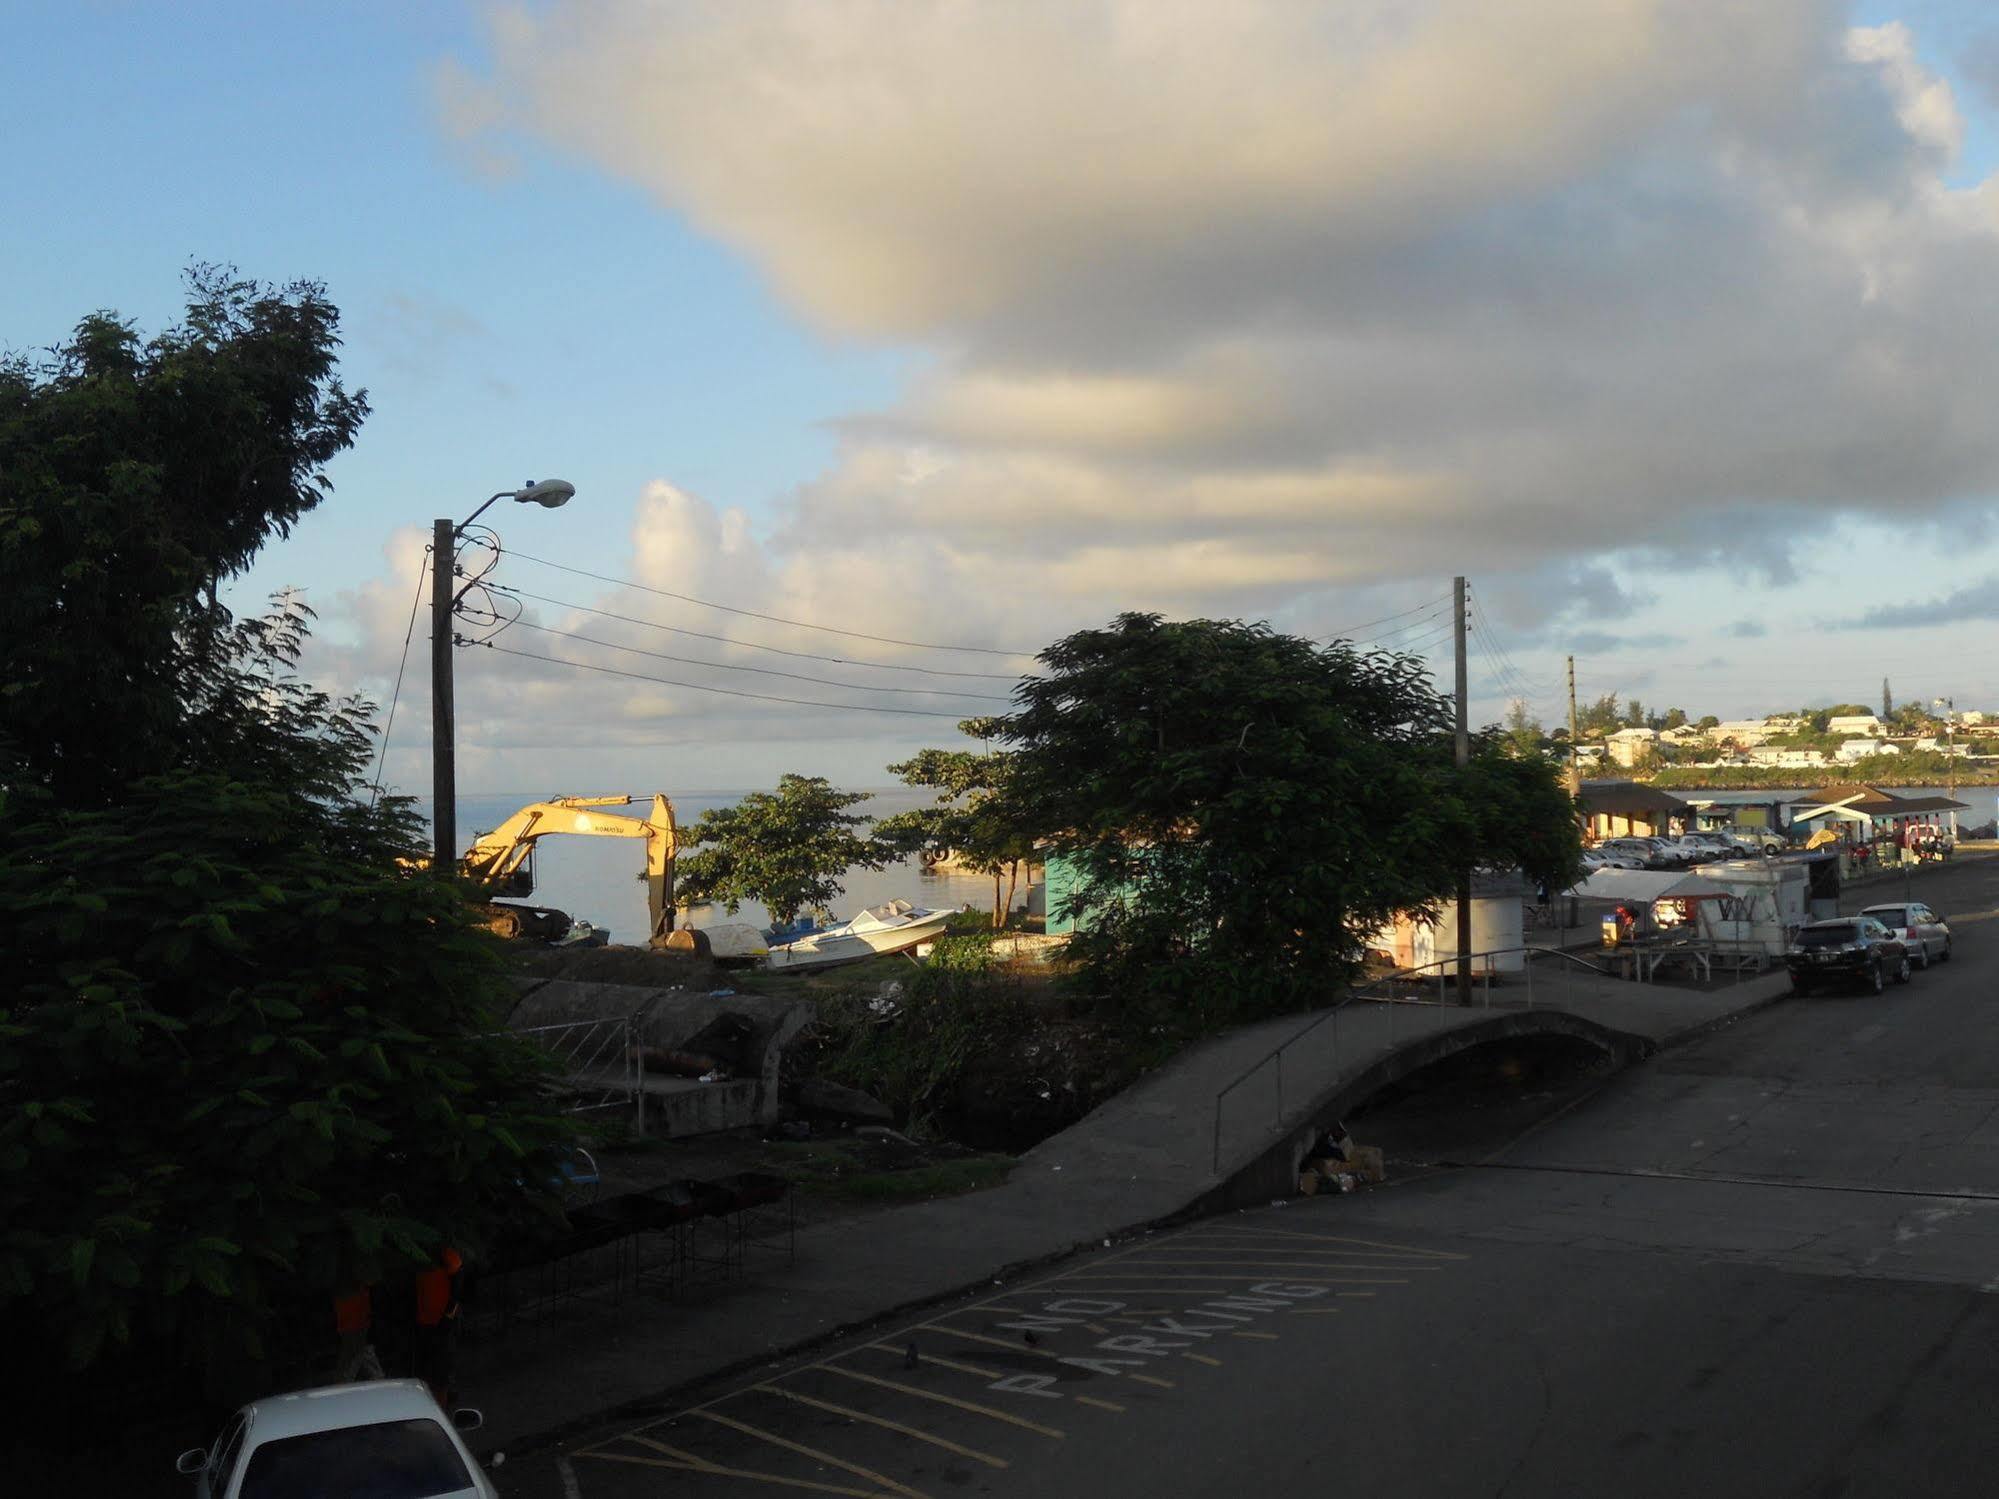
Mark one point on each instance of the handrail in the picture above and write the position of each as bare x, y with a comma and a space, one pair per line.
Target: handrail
1331, 1012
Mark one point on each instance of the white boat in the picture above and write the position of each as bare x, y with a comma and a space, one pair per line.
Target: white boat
895, 927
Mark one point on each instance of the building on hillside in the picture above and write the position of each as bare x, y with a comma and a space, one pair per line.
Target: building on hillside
1787, 759
1860, 749
1617, 809
1862, 725
1628, 746
1746, 732
1971, 716
1686, 733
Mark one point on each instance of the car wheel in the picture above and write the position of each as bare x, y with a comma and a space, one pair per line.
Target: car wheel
1944, 956
1878, 978
1903, 971
1923, 958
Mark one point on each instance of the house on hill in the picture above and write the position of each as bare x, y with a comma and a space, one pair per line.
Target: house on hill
1628, 746
1857, 726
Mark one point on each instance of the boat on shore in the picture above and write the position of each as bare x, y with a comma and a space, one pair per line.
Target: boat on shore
897, 926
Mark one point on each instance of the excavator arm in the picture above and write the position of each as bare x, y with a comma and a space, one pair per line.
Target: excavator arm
499, 859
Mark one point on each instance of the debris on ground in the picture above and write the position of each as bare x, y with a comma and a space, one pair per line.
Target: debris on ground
1336, 1163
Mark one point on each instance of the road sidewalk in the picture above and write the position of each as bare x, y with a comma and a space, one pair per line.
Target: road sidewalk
1142, 1158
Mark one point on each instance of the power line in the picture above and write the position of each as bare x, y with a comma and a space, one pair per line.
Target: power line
762, 697
751, 645
764, 671
1348, 631
799, 624
388, 726
1414, 627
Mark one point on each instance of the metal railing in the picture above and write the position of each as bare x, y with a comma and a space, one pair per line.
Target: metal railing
601, 1066
1383, 990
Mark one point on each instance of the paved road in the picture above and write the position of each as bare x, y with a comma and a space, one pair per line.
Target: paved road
1761, 1265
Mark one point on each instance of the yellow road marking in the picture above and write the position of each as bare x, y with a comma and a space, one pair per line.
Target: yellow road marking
1202, 1358
1263, 1337
1302, 1280
952, 1400
1102, 1405
1100, 1331
1289, 1233
931, 1358
909, 1431
687, 1462
1288, 1264
1164, 1384
881, 1480
979, 1337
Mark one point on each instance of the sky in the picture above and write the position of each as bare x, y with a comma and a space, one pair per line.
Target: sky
956, 327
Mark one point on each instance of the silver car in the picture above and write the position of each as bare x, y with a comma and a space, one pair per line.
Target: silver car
1916, 927
385, 1438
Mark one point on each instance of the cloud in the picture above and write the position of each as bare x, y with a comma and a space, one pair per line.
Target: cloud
1294, 311
1601, 643
1978, 600
1746, 629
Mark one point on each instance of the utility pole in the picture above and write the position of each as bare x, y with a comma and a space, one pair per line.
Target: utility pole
1887, 703
1463, 761
443, 726
1950, 753
1575, 759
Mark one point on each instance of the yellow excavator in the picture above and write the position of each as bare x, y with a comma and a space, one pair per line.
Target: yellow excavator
503, 860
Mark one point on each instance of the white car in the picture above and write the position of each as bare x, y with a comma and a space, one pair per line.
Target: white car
1916, 927
385, 1438
1603, 856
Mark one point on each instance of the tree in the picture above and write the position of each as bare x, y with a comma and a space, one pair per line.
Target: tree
1241, 807
1708, 723
976, 817
786, 849
1634, 714
1600, 717
246, 1059
1523, 731
1675, 718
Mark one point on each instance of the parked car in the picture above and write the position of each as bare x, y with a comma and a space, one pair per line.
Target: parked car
1646, 851
1847, 949
1603, 856
1916, 927
1757, 840
1705, 848
385, 1438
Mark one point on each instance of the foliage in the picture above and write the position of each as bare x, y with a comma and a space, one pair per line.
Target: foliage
1911, 768
977, 816
1601, 717
245, 1060
1242, 807
1523, 735
952, 1015
786, 849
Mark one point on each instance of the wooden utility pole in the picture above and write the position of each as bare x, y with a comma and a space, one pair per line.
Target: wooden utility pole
1950, 756
443, 726
1463, 761
1575, 757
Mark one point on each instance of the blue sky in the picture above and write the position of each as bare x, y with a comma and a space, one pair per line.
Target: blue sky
795, 364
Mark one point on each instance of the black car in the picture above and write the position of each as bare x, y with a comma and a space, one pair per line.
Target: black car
1848, 950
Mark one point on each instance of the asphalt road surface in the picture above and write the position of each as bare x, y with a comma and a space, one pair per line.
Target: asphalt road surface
1761, 1265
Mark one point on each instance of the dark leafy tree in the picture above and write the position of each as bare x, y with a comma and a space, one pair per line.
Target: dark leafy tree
246, 1060
786, 849
1243, 807
977, 818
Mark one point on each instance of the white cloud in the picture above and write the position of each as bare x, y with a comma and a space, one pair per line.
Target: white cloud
1229, 306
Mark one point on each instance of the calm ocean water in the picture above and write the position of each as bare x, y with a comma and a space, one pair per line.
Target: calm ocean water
599, 879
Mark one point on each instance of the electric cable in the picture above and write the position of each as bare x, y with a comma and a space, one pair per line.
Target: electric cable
762, 697
798, 624
389, 724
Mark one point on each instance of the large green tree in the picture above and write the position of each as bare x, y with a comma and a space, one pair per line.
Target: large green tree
786, 849
977, 817
1243, 807
246, 1060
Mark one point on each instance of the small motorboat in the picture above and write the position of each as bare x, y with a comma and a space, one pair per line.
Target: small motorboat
892, 928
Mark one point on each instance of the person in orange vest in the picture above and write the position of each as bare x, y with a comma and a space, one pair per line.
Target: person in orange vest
437, 1324
354, 1352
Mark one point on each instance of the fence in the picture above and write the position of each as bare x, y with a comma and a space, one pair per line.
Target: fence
601, 1065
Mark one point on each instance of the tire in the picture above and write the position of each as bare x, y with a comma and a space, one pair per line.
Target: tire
1923, 952
1944, 956
1903, 971
1877, 978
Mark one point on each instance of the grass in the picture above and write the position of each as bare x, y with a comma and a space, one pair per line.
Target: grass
884, 1171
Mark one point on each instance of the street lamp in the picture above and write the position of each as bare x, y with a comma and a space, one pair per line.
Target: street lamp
550, 493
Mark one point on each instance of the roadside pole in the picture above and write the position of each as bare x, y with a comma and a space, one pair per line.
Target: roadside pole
1950, 758
1575, 760
1463, 761
443, 746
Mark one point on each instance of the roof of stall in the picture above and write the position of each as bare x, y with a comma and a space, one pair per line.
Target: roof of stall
1649, 885
1622, 798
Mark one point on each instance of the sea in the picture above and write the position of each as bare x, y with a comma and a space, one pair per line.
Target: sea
601, 880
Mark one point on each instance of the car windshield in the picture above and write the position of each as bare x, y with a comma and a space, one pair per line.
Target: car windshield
388, 1460
1827, 936
1889, 915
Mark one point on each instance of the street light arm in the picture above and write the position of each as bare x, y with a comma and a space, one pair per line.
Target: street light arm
463, 526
